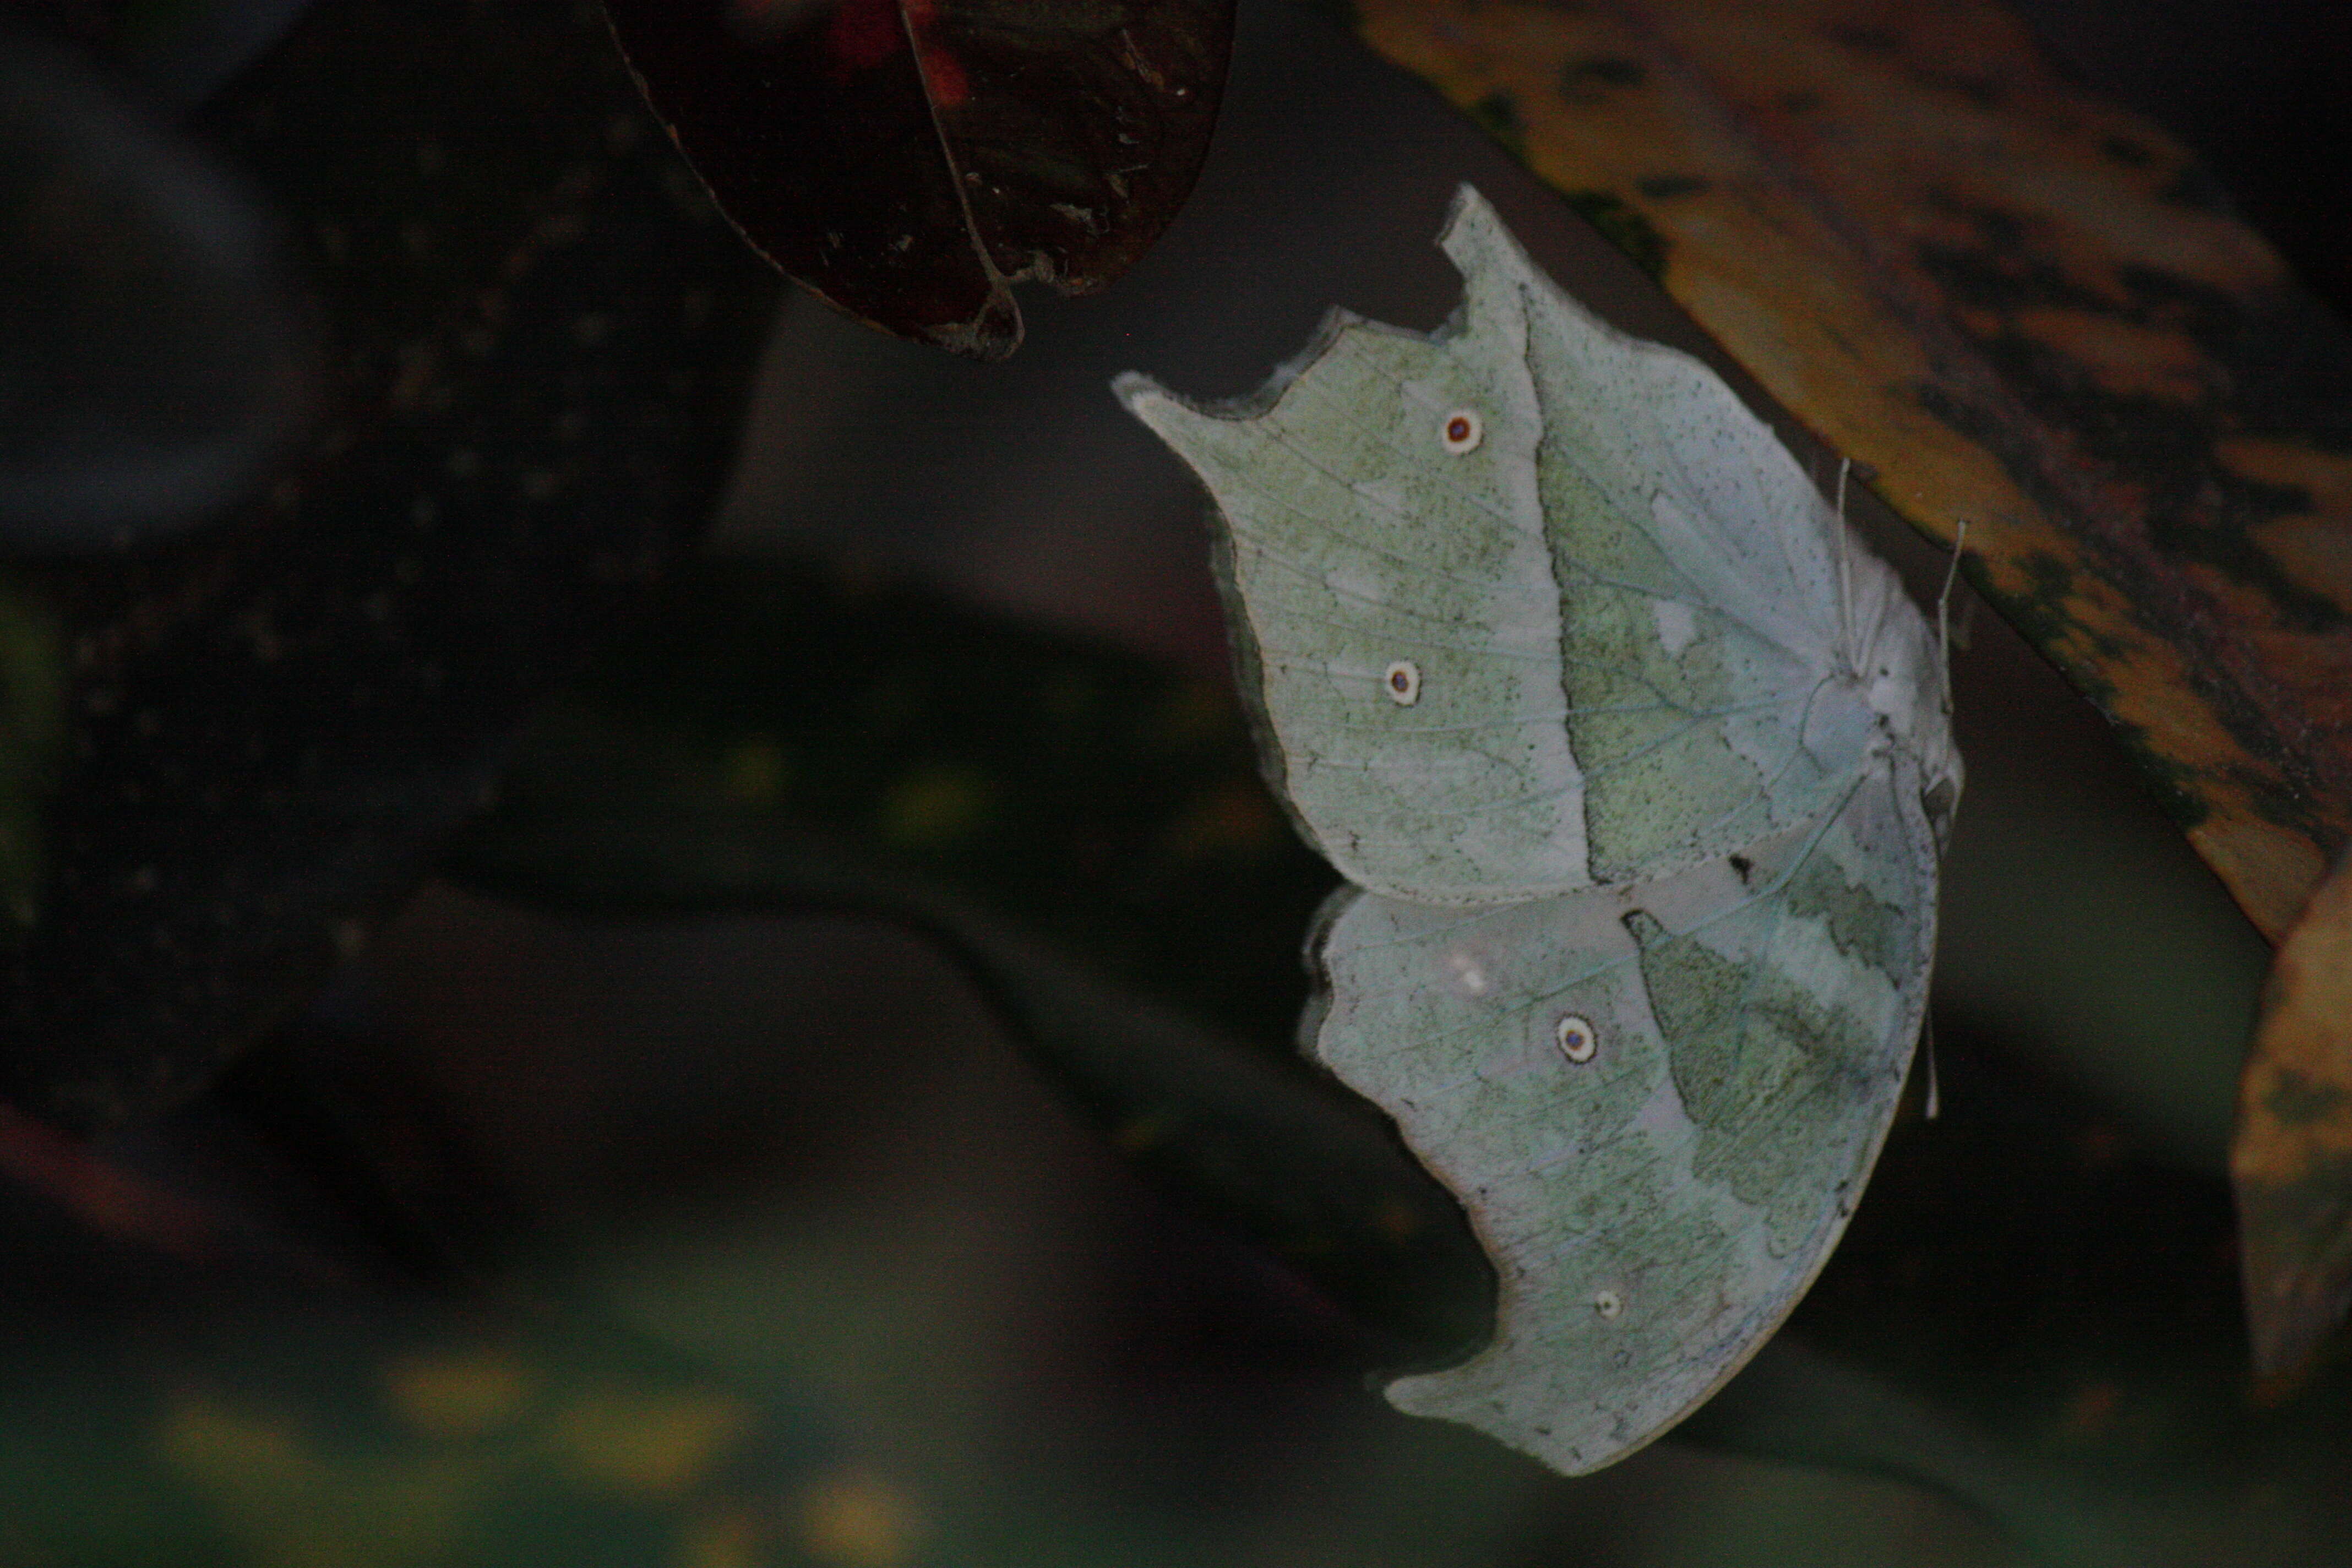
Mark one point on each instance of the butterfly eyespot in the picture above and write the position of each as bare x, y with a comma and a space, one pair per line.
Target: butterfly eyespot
1578, 1041
1607, 1304
1402, 683
1461, 432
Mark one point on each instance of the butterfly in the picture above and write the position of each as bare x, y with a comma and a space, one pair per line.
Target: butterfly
1638, 765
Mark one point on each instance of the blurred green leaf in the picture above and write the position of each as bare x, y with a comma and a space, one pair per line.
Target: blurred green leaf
1085, 829
331, 1434
32, 702
2025, 1314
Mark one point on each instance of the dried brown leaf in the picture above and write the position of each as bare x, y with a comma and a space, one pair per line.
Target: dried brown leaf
2018, 306
2292, 1158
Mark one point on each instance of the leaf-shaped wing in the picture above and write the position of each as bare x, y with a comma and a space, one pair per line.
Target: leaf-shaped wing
1526, 605
1658, 1103
1391, 595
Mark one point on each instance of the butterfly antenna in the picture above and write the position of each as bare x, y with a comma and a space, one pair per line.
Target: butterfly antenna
1944, 606
1935, 1100
1846, 577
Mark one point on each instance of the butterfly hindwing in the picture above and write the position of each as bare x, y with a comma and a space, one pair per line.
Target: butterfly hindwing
1659, 1104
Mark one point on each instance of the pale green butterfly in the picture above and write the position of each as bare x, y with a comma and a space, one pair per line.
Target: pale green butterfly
1640, 764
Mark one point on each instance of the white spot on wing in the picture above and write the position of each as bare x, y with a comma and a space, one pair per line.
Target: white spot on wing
1469, 974
1676, 626
1355, 580
1401, 681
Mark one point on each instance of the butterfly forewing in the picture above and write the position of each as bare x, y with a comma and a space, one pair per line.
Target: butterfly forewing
1609, 677
1699, 632
1380, 509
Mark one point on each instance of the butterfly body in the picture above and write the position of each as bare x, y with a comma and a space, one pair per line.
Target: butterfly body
1638, 765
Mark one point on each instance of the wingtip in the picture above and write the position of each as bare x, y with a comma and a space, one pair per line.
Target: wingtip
1168, 415
1471, 225
1133, 389
1493, 263
1192, 429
